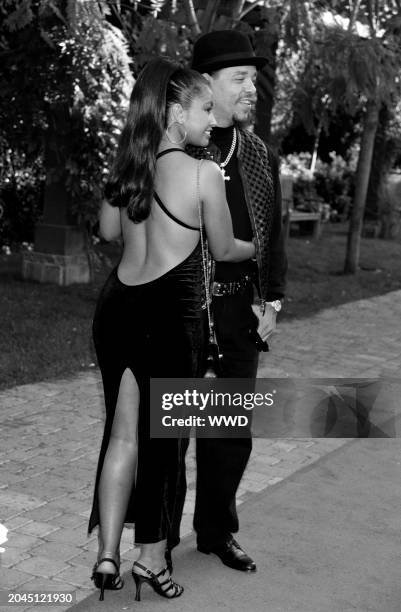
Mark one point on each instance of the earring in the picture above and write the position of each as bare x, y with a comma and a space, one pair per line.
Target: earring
171, 139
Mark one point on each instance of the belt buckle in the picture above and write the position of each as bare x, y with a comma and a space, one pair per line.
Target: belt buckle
217, 289
221, 289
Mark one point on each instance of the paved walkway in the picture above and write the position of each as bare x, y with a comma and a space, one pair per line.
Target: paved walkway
50, 435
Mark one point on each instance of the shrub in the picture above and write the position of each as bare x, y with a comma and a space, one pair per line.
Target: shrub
65, 83
331, 183
21, 199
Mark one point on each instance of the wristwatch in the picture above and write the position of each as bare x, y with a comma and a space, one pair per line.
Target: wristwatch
276, 304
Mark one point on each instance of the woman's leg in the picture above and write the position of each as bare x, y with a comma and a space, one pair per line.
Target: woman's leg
152, 556
118, 472
151, 567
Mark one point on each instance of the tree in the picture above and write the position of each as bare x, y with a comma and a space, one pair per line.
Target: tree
179, 23
65, 54
379, 207
169, 27
66, 72
361, 54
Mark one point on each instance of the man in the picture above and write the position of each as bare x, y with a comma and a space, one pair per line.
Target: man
228, 62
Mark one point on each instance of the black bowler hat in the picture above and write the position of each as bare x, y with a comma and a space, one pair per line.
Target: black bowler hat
222, 49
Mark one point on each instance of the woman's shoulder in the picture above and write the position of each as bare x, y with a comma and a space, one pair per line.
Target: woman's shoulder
211, 180
210, 169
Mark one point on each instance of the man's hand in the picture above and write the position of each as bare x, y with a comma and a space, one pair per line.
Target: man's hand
267, 322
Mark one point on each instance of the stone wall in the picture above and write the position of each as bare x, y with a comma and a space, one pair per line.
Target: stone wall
59, 269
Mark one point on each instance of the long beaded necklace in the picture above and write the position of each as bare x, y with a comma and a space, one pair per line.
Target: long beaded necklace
229, 156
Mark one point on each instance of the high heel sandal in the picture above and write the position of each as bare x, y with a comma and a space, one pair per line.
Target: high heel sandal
102, 581
173, 590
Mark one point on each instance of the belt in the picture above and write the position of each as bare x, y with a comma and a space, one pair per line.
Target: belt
220, 289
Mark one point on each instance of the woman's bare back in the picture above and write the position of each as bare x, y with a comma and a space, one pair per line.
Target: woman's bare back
158, 244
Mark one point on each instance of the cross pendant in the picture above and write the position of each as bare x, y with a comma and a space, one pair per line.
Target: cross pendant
223, 173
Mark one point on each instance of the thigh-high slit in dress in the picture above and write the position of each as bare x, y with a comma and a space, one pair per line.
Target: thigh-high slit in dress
156, 329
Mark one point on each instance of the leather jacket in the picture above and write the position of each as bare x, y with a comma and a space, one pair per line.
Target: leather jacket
258, 168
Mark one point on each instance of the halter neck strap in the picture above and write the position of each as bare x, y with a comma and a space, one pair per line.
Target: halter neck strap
168, 151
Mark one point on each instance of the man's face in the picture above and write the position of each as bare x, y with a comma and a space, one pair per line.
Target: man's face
234, 92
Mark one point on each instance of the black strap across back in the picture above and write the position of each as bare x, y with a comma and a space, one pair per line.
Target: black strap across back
159, 201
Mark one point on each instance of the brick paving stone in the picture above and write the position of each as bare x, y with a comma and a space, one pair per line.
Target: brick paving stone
11, 578
75, 575
18, 521
36, 528
42, 461
262, 445
124, 547
20, 540
11, 402
38, 584
41, 566
253, 476
328, 443
302, 458
85, 558
22, 455
89, 545
11, 556
56, 550
18, 501
274, 480
83, 493
65, 503
85, 514
13, 478
264, 460
82, 593
249, 485
276, 470
267, 459
68, 535
43, 513
130, 555
49, 487
68, 520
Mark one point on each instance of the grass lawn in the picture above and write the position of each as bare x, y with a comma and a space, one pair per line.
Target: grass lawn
46, 330
315, 276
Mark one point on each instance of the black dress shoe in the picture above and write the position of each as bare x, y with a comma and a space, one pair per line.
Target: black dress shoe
231, 554
169, 561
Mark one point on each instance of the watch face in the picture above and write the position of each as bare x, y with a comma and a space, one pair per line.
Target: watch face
276, 305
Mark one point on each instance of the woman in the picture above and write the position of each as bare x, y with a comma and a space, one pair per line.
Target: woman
148, 321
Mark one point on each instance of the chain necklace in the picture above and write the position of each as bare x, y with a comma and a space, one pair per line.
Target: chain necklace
229, 156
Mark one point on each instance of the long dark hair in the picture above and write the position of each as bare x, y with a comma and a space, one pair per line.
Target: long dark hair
160, 84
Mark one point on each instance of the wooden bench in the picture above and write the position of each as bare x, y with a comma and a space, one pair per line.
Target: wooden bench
299, 216
291, 215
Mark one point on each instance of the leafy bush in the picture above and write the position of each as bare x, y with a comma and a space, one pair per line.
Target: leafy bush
305, 196
21, 198
335, 181
64, 87
331, 183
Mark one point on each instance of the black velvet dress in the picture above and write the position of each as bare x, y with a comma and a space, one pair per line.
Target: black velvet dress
156, 329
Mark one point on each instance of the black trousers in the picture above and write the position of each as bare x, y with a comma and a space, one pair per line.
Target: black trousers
221, 461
